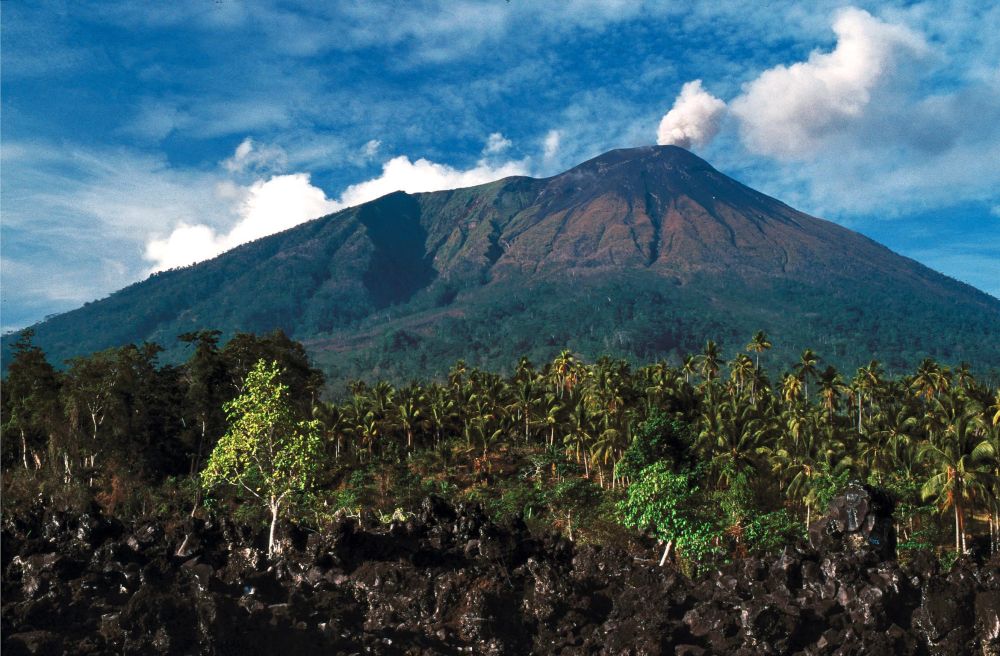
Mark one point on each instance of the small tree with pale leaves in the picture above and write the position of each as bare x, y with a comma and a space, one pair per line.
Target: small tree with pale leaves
266, 452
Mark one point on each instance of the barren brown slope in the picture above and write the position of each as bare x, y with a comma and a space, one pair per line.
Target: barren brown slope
658, 208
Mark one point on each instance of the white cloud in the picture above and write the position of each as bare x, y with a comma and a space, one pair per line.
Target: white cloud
496, 144
250, 157
186, 245
270, 206
694, 119
284, 201
400, 174
788, 110
550, 144
370, 149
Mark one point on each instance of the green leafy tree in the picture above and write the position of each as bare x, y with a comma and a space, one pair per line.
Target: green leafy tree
669, 504
267, 452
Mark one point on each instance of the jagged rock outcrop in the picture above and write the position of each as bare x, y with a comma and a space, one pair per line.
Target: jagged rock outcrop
448, 581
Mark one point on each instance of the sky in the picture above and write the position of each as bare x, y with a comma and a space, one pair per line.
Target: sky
137, 137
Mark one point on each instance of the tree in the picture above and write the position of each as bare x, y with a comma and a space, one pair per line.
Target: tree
669, 504
204, 375
30, 397
805, 369
266, 452
758, 345
710, 361
960, 463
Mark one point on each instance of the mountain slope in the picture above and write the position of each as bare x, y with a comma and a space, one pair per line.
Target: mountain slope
641, 252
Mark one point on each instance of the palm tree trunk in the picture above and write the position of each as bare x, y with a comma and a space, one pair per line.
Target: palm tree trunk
859, 413
961, 530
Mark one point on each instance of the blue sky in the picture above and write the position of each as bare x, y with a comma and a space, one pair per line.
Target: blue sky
138, 136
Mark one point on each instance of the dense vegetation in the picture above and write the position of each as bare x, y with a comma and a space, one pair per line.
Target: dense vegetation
713, 457
639, 319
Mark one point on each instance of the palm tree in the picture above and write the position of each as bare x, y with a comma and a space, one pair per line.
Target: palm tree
733, 436
867, 380
930, 379
688, 367
710, 361
802, 454
441, 410
791, 388
758, 345
554, 411
580, 434
741, 370
805, 369
960, 461
563, 372
830, 386
877, 449
525, 399
410, 412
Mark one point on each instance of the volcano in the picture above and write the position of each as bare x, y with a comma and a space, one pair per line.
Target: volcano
641, 253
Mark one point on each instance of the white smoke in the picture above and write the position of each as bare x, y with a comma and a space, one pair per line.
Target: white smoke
693, 120
787, 110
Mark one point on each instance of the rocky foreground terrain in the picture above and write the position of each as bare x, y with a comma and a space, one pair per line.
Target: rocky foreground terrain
448, 581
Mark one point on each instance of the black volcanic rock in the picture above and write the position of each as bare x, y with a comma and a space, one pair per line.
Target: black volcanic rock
451, 582
645, 252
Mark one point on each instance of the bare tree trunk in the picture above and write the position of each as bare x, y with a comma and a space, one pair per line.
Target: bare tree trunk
24, 448
808, 515
666, 552
275, 505
958, 535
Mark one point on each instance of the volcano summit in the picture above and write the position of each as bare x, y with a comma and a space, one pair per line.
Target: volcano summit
643, 253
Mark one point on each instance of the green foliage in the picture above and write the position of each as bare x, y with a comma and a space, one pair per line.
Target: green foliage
658, 438
671, 505
826, 486
266, 452
540, 441
767, 532
516, 499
